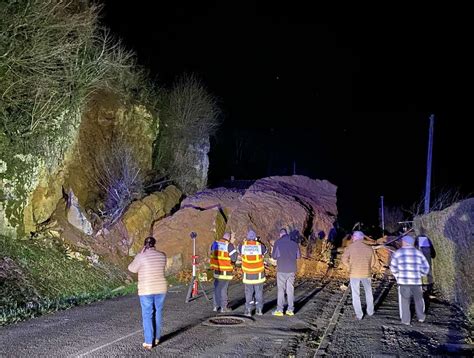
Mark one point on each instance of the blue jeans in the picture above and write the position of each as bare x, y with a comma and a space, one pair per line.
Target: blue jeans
152, 304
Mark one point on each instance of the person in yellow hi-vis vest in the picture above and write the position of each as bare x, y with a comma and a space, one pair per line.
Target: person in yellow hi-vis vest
223, 257
253, 269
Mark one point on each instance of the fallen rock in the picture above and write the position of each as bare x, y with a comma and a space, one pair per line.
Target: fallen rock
225, 199
300, 204
296, 202
266, 213
172, 235
137, 221
319, 193
310, 268
163, 202
139, 217
75, 215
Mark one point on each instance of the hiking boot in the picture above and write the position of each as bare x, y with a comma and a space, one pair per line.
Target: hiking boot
215, 309
277, 313
226, 309
259, 312
248, 313
290, 313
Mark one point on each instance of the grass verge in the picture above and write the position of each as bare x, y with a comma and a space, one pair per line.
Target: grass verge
38, 277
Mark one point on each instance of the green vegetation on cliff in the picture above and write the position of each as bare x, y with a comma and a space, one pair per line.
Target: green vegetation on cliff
40, 276
54, 57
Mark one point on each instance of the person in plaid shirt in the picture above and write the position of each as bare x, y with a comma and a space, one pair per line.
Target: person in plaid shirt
408, 265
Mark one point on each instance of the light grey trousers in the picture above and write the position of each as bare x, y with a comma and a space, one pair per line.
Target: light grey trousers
369, 298
286, 284
405, 293
250, 292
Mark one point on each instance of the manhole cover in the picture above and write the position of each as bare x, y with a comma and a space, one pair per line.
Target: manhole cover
227, 321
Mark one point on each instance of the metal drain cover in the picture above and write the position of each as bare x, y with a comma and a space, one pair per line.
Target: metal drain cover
227, 321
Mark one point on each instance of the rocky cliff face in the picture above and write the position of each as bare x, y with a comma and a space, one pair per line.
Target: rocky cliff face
451, 232
30, 184
33, 186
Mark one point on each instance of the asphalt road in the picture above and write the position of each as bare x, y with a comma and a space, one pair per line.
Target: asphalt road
112, 328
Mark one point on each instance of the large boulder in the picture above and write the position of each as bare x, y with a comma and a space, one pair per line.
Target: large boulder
226, 200
297, 203
266, 213
320, 194
141, 214
76, 217
173, 235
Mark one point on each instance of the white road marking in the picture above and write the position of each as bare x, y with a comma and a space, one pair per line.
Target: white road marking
108, 344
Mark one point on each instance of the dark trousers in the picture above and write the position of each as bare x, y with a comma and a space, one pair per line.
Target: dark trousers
427, 253
220, 293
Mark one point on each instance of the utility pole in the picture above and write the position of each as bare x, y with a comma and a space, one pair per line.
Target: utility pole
428, 166
382, 215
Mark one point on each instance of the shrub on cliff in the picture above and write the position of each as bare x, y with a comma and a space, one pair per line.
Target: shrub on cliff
189, 116
53, 56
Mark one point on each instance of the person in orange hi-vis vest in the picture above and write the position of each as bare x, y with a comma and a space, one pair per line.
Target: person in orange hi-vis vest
223, 257
253, 269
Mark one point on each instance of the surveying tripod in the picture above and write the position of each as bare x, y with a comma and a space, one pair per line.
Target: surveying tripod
195, 285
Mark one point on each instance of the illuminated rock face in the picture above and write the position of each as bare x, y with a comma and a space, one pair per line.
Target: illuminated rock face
139, 218
297, 203
451, 232
32, 186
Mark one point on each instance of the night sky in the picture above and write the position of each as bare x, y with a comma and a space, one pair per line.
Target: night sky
342, 93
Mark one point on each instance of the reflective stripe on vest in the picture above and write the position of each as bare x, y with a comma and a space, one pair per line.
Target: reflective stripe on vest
252, 257
223, 275
253, 279
220, 259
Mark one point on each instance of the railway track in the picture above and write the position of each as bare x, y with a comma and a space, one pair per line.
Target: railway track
380, 292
